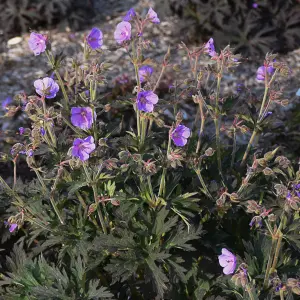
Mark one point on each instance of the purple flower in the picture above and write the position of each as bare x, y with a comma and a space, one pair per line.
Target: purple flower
37, 43
6, 102
30, 152
95, 38
82, 117
255, 5
46, 87
21, 130
42, 131
144, 73
123, 32
210, 47
260, 73
130, 14
145, 101
227, 260
83, 147
12, 226
180, 135
152, 16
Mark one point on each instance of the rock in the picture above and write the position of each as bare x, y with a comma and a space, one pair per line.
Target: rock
14, 41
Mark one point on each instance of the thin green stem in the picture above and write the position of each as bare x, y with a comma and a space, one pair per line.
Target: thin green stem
277, 250
217, 119
198, 172
260, 115
249, 147
201, 125
248, 288
270, 259
60, 81
281, 294
15, 173
56, 209
233, 148
99, 209
150, 188
162, 186
159, 77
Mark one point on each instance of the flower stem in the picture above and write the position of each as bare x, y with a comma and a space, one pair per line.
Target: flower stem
277, 250
201, 126
15, 173
248, 288
233, 148
162, 186
248, 147
281, 293
159, 78
99, 210
260, 115
60, 81
218, 118
267, 275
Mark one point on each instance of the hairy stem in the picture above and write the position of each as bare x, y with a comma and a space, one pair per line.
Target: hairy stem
162, 186
99, 209
201, 126
270, 259
233, 149
248, 288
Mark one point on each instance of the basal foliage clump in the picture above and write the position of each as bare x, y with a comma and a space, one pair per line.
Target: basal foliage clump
153, 210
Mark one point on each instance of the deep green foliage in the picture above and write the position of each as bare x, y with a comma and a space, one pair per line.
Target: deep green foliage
142, 218
273, 25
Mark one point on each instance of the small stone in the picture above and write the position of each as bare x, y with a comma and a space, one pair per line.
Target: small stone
14, 41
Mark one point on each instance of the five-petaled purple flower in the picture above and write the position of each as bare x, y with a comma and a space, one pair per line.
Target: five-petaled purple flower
123, 32
210, 47
180, 135
82, 117
260, 73
83, 147
95, 38
227, 260
145, 101
152, 16
46, 87
130, 15
37, 43
144, 73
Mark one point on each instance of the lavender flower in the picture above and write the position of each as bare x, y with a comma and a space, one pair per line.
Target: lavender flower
144, 73
145, 101
130, 15
83, 147
42, 131
95, 38
46, 87
255, 5
12, 226
227, 260
30, 153
6, 102
82, 117
21, 130
180, 135
210, 47
260, 73
152, 16
123, 32
37, 43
